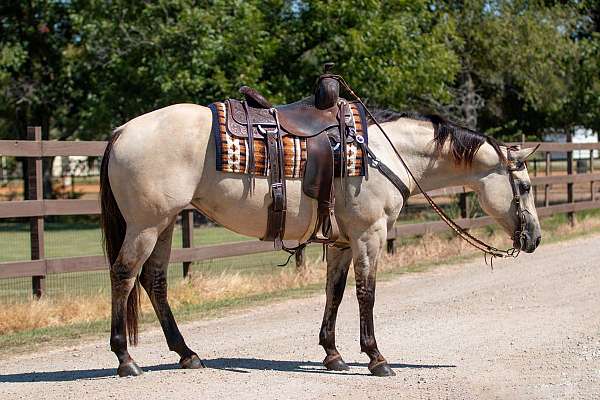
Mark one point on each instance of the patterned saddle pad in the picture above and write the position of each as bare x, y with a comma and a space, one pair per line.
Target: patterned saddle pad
232, 150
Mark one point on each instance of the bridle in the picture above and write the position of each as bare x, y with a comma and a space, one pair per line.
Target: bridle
512, 166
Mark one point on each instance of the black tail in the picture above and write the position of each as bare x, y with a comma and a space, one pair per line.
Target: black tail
113, 234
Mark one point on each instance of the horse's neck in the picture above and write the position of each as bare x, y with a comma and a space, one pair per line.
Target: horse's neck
414, 141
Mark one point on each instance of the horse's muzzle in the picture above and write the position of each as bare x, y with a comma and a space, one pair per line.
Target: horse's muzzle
524, 241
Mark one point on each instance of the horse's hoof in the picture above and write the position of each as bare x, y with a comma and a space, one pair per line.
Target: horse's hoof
382, 369
336, 364
129, 369
191, 362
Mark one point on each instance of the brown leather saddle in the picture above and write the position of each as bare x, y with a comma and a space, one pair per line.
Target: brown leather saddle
323, 120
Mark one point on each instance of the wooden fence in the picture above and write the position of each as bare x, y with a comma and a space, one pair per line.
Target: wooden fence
36, 208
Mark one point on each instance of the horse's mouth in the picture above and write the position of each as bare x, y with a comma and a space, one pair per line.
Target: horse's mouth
526, 243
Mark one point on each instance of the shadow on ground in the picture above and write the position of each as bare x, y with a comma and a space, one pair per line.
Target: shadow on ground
240, 365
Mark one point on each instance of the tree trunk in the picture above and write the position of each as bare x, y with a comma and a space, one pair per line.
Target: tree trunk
470, 101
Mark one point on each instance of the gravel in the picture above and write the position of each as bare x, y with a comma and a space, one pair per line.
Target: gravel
529, 329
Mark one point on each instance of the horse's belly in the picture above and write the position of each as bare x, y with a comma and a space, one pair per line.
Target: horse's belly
230, 202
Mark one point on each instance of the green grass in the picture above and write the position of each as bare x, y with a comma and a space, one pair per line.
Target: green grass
81, 239
65, 239
97, 282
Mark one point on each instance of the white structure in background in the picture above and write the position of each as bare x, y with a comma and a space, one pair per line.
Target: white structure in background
580, 135
3, 170
71, 166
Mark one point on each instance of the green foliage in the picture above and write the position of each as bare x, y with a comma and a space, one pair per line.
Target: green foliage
505, 67
514, 56
140, 56
393, 52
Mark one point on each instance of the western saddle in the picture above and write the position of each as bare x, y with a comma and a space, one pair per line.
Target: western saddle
322, 119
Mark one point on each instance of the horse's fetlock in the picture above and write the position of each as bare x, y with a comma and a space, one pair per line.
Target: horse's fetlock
326, 340
118, 343
367, 345
181, 348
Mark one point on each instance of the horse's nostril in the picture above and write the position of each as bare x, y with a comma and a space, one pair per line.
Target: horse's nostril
537, 241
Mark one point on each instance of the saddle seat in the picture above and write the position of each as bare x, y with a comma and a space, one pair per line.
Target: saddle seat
300, 118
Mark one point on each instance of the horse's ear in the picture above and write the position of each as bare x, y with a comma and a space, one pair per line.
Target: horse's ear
524, 154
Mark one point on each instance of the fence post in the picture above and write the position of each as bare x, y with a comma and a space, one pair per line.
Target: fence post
300, 259
391, 246
463, 203
570, 198
592, 197
187, 236
548, 170
36, 192
535, 189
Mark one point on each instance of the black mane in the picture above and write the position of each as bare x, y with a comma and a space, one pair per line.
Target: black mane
464, 142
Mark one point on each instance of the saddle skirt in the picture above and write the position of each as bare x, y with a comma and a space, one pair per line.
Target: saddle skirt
231, 139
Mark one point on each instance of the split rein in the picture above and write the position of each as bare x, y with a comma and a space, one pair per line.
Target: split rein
480, 245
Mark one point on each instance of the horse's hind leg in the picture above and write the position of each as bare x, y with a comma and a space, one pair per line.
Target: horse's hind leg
154, 280
338, 263
367, 249
136, 248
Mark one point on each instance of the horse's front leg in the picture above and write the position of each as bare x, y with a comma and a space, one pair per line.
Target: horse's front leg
338, 263
367, 250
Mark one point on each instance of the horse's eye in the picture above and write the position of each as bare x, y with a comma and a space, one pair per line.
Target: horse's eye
525, 187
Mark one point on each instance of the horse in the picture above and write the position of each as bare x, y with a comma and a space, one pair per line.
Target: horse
158, 163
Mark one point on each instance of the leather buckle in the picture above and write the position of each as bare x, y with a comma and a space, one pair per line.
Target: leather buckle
277, 196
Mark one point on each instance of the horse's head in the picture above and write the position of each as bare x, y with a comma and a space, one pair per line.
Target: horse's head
505, 194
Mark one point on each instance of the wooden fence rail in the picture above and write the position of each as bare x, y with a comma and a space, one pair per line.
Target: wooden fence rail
36, 208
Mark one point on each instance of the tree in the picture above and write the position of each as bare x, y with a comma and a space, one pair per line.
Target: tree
514, 59
34, 88
142, 56
393, 52
81, 68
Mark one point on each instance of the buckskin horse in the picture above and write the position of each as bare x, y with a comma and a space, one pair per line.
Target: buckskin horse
158, 163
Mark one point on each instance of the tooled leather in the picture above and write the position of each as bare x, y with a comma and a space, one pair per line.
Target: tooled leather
299, 119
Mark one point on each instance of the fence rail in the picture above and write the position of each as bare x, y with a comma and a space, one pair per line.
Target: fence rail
36, 208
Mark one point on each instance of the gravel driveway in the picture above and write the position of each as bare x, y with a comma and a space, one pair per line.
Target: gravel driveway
528, 329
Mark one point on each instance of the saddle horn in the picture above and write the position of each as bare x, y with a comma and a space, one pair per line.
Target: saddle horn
328, 88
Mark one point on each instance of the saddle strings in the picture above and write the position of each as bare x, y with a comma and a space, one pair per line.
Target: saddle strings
487, 249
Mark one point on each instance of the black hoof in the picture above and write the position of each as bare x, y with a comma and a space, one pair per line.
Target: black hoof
336, 364
191, 362
383, 369
129, 369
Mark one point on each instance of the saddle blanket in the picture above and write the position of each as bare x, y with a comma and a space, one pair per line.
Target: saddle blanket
231, 150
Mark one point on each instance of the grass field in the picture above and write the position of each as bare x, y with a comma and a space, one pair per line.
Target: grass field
64, 239
80, 239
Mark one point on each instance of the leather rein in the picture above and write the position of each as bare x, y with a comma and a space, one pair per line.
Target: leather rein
512, 166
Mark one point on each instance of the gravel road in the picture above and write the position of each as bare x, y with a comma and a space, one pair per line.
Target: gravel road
528, 329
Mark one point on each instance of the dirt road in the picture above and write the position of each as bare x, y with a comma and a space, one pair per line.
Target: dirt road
528, 329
